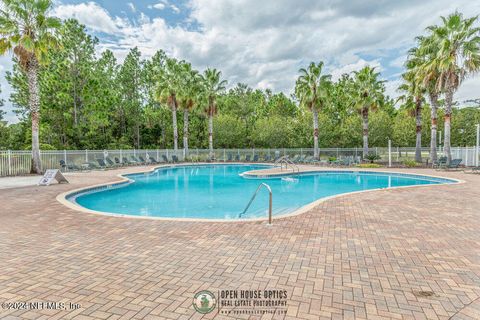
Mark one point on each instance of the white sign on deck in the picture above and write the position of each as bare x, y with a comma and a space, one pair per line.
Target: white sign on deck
50, 175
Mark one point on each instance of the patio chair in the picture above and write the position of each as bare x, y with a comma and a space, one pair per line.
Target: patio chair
301, 159
142, 159
110, 162
127, 162
135, 160
68, 167
441, 162
118, 162
165, 159
454, 164
174, 159
255, 158
248, 158
295, 158
152, 160
237, 158
101, 163
308, 159
229, 157
267, 158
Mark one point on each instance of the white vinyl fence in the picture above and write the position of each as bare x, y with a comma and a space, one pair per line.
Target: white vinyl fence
14, 162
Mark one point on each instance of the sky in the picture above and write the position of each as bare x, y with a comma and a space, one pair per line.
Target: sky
264, 43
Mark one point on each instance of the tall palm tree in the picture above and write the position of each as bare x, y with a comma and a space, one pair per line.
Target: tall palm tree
427, 73
169, 84
312, 89
214, 86
26, 29
368, 90
414, 90
457, 42
190, 92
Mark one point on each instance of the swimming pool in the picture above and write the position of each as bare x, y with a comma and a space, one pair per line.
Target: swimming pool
220, 191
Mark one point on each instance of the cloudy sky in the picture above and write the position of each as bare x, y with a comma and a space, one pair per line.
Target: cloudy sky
264, 43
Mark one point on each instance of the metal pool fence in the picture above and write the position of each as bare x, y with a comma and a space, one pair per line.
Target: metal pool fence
18, 162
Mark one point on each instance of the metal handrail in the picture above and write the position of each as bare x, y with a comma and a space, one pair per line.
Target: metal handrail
253, 198
285, 160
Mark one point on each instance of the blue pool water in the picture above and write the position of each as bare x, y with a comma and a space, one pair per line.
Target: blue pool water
220, 192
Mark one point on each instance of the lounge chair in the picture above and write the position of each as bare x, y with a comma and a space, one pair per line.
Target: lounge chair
127, 162
68, 167
441, 162
295, 158
152, 160
118, 162
300, 159
266, 158
237, 158
142, 159
110, 162
454, 164
91, 165
101, 163
229, 157
255, 158
165, 159
248, 158
174, 159
308, 159
135, 160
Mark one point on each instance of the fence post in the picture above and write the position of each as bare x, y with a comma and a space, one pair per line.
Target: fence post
158, 159
9, 162
389, 153
466, 156
86, 155
121, 156
224, 155
477, 147
65, 156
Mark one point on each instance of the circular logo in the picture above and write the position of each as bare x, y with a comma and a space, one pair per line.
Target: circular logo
204, 301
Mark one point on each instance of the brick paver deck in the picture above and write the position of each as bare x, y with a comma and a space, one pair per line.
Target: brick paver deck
357, 256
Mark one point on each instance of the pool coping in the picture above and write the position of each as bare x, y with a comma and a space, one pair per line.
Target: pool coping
62, 197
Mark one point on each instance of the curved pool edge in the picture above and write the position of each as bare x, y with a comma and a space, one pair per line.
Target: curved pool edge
62, 197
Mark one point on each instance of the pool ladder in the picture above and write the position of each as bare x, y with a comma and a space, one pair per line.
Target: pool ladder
269, 202
287, 162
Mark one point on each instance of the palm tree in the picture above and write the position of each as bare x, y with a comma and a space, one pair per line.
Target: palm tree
457, 42
312, 89
26, 29
213, 87
189, 97
427, 73
368, 90
414, 91
169, 83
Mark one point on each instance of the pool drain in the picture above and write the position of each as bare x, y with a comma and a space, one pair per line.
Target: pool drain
423, 294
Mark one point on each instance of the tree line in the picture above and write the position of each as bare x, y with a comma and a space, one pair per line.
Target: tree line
67, 96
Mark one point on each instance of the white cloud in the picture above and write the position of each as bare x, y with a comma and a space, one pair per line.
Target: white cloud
359, 64
174, 8
92, 15
132, 7
159, 6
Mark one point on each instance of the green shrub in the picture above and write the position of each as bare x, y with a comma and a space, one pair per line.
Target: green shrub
369, 165
332, 159
372, 157
410, 163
